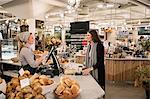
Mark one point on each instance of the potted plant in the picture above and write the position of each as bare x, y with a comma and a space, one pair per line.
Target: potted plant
142, 74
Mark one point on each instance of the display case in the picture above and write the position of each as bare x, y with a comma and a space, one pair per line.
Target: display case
9, 49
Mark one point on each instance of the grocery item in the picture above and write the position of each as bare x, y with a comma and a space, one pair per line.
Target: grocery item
33, 91
67, 89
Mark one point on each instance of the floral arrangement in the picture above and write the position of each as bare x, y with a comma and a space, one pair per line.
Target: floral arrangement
145, 44
142, 74
52, 42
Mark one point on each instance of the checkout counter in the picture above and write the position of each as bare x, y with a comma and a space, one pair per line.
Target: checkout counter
123, 69
90, 89
119, 69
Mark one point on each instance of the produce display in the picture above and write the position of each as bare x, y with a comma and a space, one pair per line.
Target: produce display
32, 91
67, 89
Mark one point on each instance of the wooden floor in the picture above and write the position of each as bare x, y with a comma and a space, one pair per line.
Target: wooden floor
123, 91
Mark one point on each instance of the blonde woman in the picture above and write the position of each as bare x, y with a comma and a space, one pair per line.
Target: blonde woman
27, 57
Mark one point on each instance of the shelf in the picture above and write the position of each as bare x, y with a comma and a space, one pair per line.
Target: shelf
12, 73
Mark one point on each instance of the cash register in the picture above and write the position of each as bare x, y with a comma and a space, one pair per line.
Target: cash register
53, 69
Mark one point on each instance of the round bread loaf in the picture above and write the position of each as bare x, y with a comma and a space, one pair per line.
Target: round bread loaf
68, 82
75, 89
59, 89
43, 77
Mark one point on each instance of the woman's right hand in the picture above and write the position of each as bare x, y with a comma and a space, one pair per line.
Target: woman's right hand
44, 54
86, 71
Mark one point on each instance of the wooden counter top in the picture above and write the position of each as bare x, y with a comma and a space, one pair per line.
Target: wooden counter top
127, 58
90, 89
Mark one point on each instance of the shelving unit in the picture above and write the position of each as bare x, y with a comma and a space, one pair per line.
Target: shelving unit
75, 39
11, 73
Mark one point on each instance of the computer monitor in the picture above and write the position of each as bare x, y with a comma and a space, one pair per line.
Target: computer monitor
54, 58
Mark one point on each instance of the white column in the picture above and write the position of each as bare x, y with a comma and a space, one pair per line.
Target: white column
63, 35
31, 23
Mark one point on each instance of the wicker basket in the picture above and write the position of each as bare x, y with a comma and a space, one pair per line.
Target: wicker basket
66, 97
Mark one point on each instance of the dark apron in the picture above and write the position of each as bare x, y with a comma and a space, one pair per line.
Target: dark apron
30, 69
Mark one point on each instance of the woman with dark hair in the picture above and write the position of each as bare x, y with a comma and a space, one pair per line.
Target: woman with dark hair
95, 58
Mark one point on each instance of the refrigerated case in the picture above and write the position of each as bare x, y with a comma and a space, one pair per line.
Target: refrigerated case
9, 49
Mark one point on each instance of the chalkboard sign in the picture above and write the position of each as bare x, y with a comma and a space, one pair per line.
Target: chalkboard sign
144, 31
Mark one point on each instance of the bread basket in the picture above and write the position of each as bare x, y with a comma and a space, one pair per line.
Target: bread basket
74, 96
67, 89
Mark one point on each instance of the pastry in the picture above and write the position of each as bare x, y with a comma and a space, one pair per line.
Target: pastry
74, 89
42, 81
59, 89
26, 72
28, 96
68, 82
35, 81
67, 92
18, 88
50, 82
39, 96
43, 77
19, 94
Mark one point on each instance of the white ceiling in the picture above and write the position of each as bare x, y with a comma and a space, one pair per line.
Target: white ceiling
88, 10
4, 1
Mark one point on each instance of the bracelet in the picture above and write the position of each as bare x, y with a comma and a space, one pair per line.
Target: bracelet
91, 68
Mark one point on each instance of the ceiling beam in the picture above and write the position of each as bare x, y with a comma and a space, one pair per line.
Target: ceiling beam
145, 1
55, 3
140, 3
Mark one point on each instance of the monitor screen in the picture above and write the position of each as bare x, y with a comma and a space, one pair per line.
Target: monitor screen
79, 27
144, 31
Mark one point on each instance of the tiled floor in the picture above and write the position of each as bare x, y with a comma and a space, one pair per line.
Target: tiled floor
123, 91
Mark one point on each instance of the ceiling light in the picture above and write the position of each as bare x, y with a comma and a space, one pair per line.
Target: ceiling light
46, 16
125, 23
69, 11
16, 20
105, 5
72, 2
100, 6
62, 15
139, 23
146, 28
109, 5
69, 7
6, 21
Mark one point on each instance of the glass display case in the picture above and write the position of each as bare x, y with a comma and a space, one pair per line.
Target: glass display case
9, 49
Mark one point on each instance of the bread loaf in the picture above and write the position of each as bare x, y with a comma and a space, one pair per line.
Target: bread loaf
59, 89
74, 89
68, 82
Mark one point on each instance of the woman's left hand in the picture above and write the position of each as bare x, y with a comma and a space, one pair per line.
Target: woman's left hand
86, 71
